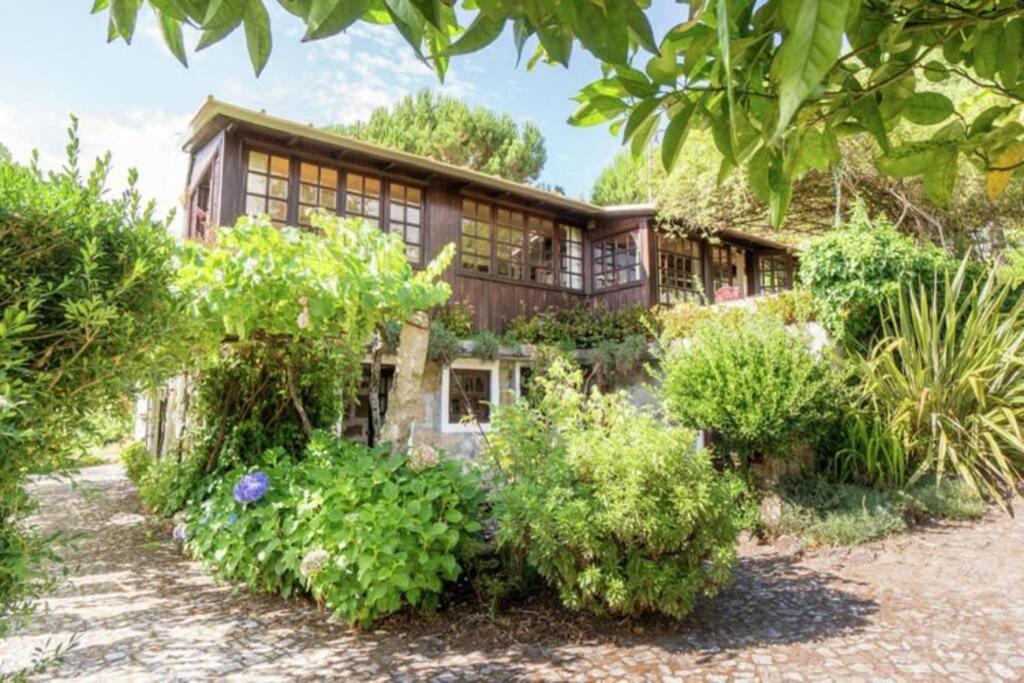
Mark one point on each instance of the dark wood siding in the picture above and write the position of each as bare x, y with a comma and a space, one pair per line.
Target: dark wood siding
495, 301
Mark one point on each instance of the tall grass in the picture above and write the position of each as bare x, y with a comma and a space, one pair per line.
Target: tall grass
947, 377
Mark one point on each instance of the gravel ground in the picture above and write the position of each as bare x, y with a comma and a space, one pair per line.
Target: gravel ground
946, 602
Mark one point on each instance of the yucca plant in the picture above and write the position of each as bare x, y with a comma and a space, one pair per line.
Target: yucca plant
948, 375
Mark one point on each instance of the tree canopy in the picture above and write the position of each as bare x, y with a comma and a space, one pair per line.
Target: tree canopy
447, 129
778, 83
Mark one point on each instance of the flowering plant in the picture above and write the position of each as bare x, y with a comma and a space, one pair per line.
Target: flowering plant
251, 487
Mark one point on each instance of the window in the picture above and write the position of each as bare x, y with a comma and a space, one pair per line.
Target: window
773, 273
616, 261
469, 387
571, 245
266, 186
318, 189
362, 197
405, 216
475, 242
540, 250
723, 270
524, 380
680, 275
509, 232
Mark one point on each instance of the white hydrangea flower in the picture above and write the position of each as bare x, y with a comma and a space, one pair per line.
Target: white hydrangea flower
422, 458
313, 562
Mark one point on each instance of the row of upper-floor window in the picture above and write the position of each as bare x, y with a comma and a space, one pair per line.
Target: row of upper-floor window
495, 240
291, 190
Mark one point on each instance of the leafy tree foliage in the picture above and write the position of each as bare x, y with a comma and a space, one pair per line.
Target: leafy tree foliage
778, 83
5, 154
447, 129
85, 288
628, 179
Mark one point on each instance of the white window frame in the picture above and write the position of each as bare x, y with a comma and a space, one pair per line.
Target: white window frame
494, 399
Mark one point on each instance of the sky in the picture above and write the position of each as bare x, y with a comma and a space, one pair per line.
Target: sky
136, 101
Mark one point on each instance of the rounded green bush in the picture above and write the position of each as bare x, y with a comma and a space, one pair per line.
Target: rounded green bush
612, 507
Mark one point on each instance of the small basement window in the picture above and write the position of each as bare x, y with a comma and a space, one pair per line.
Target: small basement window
469, 388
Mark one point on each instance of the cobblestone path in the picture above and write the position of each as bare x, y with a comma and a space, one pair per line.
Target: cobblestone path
942, 603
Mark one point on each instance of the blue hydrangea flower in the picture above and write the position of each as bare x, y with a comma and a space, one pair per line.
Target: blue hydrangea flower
251, 487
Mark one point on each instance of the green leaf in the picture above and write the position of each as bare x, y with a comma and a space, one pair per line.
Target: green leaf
124, 14
257, 35
642, 136
928, 108
663, 68
985, 120
603, 31
640, 114
867, 113
675, 136
170, 29
908, 160
557, 43
940, 176
757, 174
989, 38
725, 49
411, 24
808, 51
212, 36
482, 32
1010, 53
780, 187
640, 26
330, 17
935, 71
597, 110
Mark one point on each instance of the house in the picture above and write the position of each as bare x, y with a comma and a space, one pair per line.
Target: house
518, 247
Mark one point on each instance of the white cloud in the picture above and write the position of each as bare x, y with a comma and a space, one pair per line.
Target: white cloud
146, 139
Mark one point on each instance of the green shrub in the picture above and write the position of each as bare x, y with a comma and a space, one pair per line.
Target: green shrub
612, 507
682, 319
169, 485
790, 307
137, 461
853, 271
824, 513
366, 533
753, 382
616, 363
444, 345
457, 317
486, 346
583, 326
948, 375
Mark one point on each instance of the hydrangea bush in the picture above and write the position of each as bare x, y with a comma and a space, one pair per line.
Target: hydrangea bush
364, 532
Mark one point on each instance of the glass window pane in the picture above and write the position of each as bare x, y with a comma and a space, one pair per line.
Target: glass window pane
255, 205
329, 178
328, 199
307, 194
256, 183
354, 182
397, 192
397, 212
412, 235
309, 173
306, 214
412, 253
412, 215
278, 210
353, 203
279, 188
258, 161
414, 195
279, 166
373, 207
372, 187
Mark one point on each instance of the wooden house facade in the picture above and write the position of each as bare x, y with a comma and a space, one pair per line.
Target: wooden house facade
518, 248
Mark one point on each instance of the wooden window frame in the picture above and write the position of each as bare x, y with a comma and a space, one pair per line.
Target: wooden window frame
631, 240
668, 271
494, 389
545, 229
339, 177
515, 262
403, 226
780, 264
477, 220
363, 198
565, 277
269, 176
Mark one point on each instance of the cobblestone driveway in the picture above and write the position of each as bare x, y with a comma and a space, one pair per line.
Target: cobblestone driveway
939, 604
